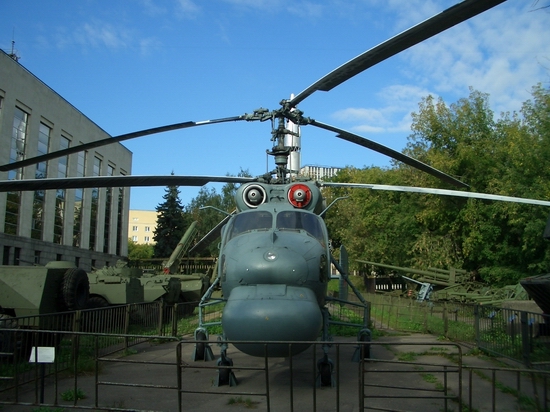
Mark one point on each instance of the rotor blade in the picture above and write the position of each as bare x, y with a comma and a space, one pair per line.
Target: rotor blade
110, 140
394, 154
443, 192
416, 34
115, 181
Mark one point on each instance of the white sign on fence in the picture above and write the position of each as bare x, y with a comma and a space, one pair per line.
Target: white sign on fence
42, 354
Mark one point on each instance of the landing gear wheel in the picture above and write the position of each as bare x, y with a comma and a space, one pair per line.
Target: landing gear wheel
325, 374
325, 368
365, 348
75, 289
201, 346
226, 375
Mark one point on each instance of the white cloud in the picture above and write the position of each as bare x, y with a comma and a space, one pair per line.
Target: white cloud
398, 101
99, 34
187, 8
498, 54
152, 8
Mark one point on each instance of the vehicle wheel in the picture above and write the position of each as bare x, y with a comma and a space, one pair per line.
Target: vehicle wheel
96, 302
96, 321
187, 308
145, 315
76, 289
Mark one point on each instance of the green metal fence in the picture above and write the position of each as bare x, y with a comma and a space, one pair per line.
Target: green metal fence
518, 335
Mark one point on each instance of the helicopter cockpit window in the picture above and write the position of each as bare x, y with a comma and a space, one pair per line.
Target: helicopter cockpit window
309, 222
246, 222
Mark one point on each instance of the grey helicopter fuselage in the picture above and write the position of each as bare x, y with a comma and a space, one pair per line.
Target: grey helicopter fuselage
274, 267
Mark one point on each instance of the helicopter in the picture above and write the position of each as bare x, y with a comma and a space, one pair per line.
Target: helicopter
275, 257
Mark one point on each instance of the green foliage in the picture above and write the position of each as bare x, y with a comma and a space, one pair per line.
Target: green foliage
71, 395
501, 242
407, 356
246, 402
171, 223
210, 217
139, 251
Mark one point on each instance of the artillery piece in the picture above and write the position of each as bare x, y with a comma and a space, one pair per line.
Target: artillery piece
457, 285
122, 284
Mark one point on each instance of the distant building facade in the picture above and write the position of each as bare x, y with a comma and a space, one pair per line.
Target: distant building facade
319, 172
85, 226
141, 226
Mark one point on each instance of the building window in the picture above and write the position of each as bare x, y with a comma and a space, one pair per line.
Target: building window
17, 152
147, 228
134, 228
108, 211
147, 239
120, 230
134, 238
37, 257
16, 255
6, 256
60, 195
40, 173
78, 199
94, 206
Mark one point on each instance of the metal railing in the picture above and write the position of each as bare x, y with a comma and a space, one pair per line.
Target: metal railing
398, 376
518, 335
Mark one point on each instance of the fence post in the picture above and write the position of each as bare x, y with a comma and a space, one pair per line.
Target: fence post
476, 324
525, 339
445, 322
426, 309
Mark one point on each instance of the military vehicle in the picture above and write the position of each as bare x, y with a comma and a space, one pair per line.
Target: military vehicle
38, 290
121, 284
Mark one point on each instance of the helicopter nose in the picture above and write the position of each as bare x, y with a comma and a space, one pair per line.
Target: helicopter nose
268, 265
271, 313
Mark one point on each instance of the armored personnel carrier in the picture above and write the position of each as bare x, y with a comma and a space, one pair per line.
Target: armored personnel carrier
120, 284
36, 290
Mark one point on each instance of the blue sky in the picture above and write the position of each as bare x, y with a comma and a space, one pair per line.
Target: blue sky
134, 64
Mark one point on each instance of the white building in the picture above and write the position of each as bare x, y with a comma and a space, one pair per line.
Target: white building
87, 226
319, 172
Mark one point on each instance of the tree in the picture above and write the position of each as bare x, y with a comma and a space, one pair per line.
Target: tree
210, 217
171, 223
139, 251
499, 240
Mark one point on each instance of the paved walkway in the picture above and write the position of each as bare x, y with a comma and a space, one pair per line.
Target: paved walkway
402, 368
